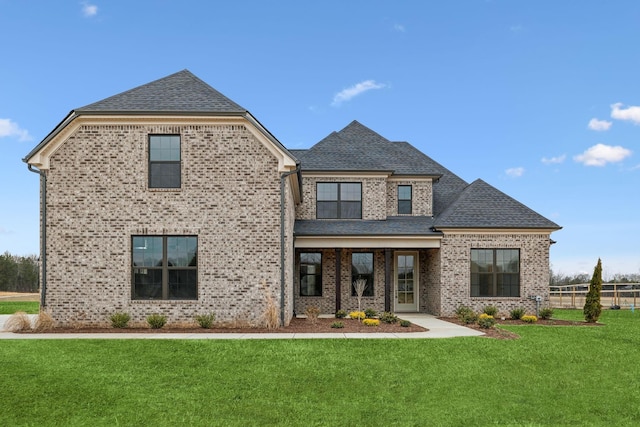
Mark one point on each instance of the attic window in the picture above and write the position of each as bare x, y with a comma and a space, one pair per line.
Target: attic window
164, 161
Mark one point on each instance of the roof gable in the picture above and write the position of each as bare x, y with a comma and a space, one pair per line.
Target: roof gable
181, 92
482, 206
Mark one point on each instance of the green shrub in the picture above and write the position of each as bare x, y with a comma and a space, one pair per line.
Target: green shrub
517, 313
405, 323
119, 320
206, 320
337, 325
341, 314
529, 318
592, 307
466, 315
370, 313
486, 321
156, 321
388, 317
546, 313
491, 310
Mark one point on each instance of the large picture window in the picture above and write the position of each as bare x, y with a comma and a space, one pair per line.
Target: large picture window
404, 199
495, 272
339, 200
311, 274
164, 161
362, 268
165, 267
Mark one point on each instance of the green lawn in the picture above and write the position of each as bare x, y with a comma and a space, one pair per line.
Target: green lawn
551, 376
10, 307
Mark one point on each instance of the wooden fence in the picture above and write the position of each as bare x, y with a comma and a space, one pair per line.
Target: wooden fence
624, 295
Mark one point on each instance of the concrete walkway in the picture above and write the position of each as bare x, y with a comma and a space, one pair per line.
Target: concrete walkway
436, 329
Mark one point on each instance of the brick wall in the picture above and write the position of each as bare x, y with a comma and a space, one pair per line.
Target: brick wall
374, 203
422, 197
456, 269
98, 198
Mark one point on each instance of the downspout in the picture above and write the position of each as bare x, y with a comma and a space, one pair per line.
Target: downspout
43, 234
283, 176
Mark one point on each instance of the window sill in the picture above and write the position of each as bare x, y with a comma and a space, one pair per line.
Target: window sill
164, 190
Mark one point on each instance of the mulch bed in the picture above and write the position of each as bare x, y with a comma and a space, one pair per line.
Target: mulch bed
297, 325
502, 334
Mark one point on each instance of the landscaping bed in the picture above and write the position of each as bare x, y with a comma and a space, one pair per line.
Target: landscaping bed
297, 325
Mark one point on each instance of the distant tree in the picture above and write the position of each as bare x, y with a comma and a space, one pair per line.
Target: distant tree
18, 273
592, 306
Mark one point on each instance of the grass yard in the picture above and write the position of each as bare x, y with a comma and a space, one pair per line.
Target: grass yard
10, 307
551, 376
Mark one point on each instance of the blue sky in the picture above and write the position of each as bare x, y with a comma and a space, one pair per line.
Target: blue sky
539, 98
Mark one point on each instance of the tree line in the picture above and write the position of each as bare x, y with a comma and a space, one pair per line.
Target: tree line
19, 273
559, 279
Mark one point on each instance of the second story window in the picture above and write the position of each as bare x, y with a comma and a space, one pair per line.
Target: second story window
339, 200
164, 161
404, 199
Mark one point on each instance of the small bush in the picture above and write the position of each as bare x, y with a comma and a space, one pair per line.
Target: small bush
546, 313
466, 315
491, 310
370, 313
388, 317
529, 318
337, 325
405, 323
44, 322
18, 322
206, 320
357, 315
341, 314
119, 320
486, 321
371, 322
156, 321
517, 313
312, 314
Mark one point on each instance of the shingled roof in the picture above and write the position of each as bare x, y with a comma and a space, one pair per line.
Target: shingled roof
358, 148
181, 92
482, 206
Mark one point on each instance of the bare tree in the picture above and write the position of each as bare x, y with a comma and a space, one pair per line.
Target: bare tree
360, 285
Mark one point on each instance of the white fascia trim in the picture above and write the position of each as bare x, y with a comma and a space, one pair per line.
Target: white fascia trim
321, 242
42, 157
416, 178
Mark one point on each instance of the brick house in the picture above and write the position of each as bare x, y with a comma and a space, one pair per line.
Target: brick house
171, 198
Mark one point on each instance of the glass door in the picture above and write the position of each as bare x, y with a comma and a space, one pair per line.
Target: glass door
406, 281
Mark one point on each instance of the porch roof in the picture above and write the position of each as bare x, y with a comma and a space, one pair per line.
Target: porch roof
392, 226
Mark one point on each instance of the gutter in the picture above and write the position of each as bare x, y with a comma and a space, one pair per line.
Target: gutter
283, 176
43, 234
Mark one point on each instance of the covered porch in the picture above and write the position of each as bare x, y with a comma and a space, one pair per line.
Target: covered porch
402, 270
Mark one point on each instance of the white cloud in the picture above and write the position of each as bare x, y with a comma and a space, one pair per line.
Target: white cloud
601, 154
516, 28
631, 113
554, 160
9, 128
355, 90
515, 172
89, 10
399, 28
599, 125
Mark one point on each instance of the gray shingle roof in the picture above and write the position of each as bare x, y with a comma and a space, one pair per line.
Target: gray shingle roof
482, 206
392, 226
181, 92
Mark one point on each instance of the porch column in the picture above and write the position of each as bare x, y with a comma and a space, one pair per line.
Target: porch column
338, 278
387, 279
